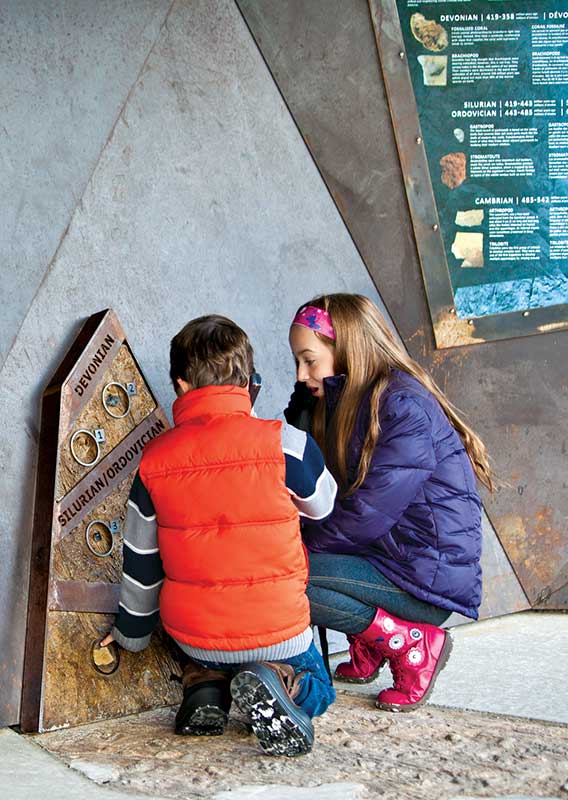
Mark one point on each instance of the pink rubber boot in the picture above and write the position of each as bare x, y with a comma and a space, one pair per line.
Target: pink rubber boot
417, 653
365, 664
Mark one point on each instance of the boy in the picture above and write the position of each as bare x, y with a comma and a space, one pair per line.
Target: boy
212, 545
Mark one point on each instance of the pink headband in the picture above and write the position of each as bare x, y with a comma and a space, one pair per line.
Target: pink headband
317, 319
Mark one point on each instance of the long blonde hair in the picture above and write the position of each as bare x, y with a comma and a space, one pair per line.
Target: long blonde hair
366, 351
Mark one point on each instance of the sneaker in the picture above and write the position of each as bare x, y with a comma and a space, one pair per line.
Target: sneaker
204, 709
281, 726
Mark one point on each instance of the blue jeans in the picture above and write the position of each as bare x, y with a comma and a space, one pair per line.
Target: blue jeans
316, 692
345, 592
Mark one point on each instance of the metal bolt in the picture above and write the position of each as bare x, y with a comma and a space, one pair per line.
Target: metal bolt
435, 226
470, 322
401, 54
419, 140
526, 313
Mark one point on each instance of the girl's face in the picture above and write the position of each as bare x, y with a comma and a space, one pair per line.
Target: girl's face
314, 358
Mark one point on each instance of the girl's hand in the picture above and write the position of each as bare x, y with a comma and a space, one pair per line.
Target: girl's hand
109, 639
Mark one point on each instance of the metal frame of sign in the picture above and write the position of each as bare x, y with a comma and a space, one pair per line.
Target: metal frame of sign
449, 329
56, 517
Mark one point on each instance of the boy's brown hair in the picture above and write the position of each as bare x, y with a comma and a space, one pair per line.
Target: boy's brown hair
211, 350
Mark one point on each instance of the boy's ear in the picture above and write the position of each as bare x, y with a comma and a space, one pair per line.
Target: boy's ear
183, 387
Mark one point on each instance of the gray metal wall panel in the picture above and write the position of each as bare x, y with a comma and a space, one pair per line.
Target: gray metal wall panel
67, 67
323, 57
205, 199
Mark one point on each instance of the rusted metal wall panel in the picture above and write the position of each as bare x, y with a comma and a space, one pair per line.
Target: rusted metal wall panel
324, 59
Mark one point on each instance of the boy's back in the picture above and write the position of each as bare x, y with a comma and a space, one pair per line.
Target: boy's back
228, 531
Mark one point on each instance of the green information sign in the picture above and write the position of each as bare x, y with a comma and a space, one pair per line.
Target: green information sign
491, 86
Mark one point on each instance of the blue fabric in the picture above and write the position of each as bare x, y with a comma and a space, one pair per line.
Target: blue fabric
302, 474
140, 497
146, 568
345, 592
417, 515
316, 692
311, 484
132, 626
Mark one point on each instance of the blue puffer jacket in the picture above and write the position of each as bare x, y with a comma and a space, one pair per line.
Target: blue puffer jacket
417, 516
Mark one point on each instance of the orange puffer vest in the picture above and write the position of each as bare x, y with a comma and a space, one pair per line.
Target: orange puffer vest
228, 532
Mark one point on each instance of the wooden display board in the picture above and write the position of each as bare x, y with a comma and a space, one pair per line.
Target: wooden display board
98, 412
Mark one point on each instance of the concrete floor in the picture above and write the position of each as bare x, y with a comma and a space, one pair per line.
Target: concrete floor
27, 771
514, 666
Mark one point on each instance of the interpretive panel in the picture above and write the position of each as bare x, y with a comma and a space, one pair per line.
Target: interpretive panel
491, 87
97, 414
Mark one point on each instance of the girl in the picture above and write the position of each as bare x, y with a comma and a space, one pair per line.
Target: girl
401, 549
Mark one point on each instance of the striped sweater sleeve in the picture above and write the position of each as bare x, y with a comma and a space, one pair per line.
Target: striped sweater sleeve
143, 575
311, 485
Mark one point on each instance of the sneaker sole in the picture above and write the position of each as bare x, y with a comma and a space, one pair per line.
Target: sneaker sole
342, 679
204, 721
277, 733
442, 661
